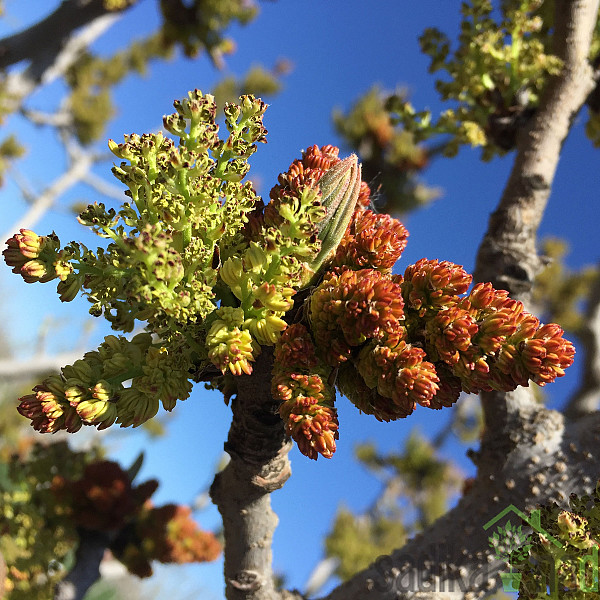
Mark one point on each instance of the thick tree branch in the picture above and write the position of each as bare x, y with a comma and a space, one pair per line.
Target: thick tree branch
55, 30
453, 558
259, 465
508, 255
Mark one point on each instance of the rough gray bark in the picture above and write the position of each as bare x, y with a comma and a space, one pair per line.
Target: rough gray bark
586, 399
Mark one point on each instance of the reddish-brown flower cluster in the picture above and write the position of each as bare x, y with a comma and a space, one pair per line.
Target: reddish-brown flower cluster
167, 534
103, 499
350, 307
397, 341
372, 240
307, 400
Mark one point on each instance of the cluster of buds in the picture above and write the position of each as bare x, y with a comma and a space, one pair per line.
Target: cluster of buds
396, 342
92, 391
216, 274
307, 398
35, 257
564, 550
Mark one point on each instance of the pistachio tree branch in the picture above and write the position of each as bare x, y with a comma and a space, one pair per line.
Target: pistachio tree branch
587, 396
56, 29
452, 558
259, 465
86, 570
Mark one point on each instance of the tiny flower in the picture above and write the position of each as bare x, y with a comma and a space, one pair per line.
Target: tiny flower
400, 373
430, 284
371, 240
368, 400
352, 306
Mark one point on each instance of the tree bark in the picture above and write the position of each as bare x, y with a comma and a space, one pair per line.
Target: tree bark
86, 571
259, 465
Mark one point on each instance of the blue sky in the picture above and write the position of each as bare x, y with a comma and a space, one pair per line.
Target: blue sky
338, 49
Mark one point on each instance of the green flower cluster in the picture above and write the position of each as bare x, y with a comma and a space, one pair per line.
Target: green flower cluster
564, 553
495, 75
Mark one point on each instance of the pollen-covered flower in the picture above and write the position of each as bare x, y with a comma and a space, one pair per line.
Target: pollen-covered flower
307, 398
429, 285
229, 345
304, 172
350, 307
400, 373
313, 426
371, 240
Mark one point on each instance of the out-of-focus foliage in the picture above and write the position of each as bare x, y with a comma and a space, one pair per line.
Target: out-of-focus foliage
495, 76
258, 81
391, 157
36, 536
560, 292
51, 498
91, 79
417, 486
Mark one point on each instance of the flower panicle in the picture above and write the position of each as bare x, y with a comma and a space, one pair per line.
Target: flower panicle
91, 391
307, 399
